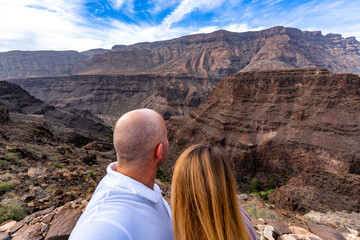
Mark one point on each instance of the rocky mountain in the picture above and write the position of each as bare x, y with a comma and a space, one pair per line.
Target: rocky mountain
16, 64
80, 127
222, 53
297, 130
48, 156
19, 64
111, 96
214, 55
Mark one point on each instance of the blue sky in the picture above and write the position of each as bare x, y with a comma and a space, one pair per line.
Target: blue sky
87, 24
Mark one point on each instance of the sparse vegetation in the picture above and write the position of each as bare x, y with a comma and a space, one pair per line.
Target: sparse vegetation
12, 208
162, 176
5, 187
259, 212
92, 174
265, 194
110, 136
13, 157
254, 186
59, 165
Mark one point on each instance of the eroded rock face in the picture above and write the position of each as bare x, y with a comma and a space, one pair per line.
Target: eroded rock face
275, 125
221, 53
15, 64
111, 96
73, 124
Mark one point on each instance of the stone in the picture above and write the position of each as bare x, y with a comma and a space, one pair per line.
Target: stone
286, 237
30, 232
4, 236
268, 232
279, 227
325, 232
243, 197
257, 221
31, 217
353, 231
344, 231
7, 226
16, 227
299, 231
63, 223
48, 218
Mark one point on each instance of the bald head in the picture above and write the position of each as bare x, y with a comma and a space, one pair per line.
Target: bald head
136, 135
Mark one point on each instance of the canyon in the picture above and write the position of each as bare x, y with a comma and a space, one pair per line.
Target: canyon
283, 103
111, 96
297, 130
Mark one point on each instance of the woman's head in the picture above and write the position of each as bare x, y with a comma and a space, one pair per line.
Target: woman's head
204, 197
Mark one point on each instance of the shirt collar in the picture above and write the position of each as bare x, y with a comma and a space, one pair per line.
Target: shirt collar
116, 179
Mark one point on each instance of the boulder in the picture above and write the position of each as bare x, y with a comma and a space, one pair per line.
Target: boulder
325, 232
279, 227
63, 223
30, 232
7, 226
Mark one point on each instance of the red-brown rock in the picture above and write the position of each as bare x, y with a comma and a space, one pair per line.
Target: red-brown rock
276, 125
325, 232
63, 224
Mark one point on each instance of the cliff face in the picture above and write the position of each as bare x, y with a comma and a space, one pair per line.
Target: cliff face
79, 127
48, 156
220, 54
17, 64
302, 125
215, 55
111, 96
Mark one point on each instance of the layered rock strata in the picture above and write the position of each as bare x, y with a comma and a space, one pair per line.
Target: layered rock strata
111, 96
222, 53
299, 129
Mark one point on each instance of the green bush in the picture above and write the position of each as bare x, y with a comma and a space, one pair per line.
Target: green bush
92, 174
162, 176
13, 156
5, 187
254, 186
265, 194
12, 208
59, 165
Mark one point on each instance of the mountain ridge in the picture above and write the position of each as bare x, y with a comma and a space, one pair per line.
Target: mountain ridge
214, 55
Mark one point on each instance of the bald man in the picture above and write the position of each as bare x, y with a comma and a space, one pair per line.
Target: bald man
127, 204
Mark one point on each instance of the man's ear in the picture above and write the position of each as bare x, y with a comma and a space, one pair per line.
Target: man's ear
159, 151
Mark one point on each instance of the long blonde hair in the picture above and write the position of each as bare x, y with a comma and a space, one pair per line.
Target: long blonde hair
203, 197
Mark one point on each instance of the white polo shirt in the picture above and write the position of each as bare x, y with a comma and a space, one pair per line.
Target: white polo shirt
123, 208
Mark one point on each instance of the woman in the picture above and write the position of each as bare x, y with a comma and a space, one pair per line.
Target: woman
203, 194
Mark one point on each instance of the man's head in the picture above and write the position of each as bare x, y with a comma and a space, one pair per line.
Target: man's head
140, 136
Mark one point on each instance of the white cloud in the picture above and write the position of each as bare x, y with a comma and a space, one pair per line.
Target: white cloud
188, 6
119, 4
243, 27
208, 29
160, 5
59, 25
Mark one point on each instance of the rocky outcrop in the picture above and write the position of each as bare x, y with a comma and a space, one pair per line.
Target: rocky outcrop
57, 224
298, 129
214, 55
73, 124
49, 224
222, 53
111, 96
16, 64
4, 115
